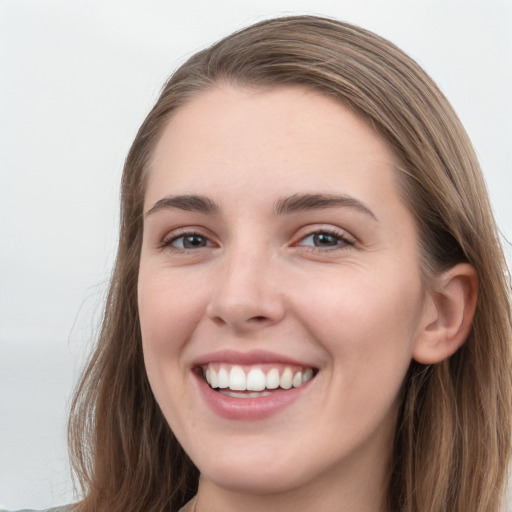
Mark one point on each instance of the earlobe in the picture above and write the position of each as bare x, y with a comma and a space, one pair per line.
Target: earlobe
448, 321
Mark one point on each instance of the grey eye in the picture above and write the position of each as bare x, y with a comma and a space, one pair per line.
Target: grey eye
191, 241
321, 240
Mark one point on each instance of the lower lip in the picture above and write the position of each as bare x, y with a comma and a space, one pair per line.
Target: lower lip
249, 408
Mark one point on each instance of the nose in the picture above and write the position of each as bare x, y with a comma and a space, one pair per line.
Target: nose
247, 293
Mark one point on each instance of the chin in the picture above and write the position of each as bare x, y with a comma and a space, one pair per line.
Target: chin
250, 479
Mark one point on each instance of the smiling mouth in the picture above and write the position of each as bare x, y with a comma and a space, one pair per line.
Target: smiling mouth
241, 381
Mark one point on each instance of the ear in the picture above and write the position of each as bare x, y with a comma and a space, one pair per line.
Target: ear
449, 314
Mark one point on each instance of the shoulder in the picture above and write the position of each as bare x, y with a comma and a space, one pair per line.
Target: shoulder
66, 508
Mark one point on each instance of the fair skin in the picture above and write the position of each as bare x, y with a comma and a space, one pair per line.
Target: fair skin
276, 240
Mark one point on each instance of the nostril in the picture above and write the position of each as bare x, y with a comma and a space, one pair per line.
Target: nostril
258, 318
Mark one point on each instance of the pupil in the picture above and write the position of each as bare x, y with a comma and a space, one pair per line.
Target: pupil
324, 239
193, 241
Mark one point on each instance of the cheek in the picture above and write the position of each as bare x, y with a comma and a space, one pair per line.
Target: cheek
168, 315
368, 323
168, 310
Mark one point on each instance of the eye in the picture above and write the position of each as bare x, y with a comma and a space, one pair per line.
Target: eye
325, 239
187, 241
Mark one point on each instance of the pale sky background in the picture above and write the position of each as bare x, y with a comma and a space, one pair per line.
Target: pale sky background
77, 78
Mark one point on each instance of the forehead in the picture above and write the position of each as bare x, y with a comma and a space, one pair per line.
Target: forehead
291, 137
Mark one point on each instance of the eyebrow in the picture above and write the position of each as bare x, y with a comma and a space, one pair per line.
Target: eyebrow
193, 203
307, 202
284, 206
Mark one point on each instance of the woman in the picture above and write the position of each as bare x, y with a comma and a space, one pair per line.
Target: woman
309, 306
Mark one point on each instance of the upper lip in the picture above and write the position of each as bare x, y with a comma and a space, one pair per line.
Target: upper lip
252, 357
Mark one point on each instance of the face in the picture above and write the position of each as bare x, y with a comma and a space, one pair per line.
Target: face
280, 295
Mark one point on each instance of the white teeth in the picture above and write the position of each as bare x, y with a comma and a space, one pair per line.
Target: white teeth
308, 375
256, 380
214, 380
254, 394
223, 378
237, 379
273, 379
286, 379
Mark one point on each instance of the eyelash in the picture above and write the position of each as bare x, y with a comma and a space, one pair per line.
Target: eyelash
342, 241
168, 242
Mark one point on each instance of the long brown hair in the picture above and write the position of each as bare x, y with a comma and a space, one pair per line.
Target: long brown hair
452, 443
